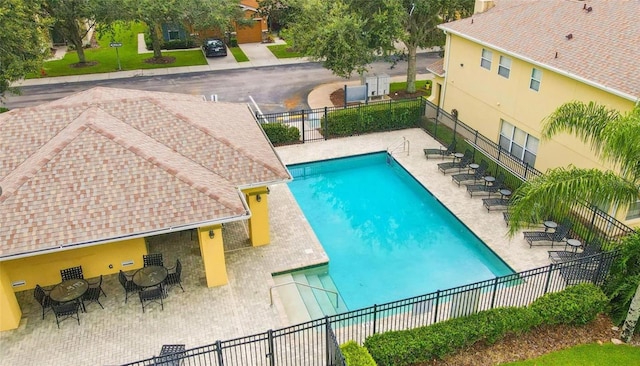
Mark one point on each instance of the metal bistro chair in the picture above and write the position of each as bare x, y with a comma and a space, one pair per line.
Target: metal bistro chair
93, 293
151, 294
174, 276
67, 310
153, 259
170, 355
71, 273
127, 284
42, 297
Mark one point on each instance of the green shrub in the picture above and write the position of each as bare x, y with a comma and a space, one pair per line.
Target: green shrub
175, 44
577, 304
3, 109
233, 42
441, 339
280, 134
377, 117
623, 279
356, 355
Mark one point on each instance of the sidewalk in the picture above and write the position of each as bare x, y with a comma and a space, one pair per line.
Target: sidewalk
258, 53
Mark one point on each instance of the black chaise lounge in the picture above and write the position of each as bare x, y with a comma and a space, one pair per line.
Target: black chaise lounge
464, 161
561, 256
554, 237
495, 186
501, 203
477, 175
442, 152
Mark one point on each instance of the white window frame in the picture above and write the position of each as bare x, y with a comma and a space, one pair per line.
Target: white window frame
536, 80
634, 211
504, 68
528, 146
485, 59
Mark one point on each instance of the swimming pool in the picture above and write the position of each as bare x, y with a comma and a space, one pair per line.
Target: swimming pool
386, 236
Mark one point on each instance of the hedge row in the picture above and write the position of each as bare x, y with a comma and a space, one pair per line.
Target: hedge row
176, 44
576, 305
280, 134
377, 117
356, 355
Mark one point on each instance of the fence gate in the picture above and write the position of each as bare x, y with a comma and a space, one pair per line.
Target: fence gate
308, 122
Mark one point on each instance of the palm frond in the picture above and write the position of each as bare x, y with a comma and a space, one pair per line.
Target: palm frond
552, 194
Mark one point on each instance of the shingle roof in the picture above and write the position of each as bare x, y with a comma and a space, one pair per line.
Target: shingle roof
437, 67
112, 163
603, 49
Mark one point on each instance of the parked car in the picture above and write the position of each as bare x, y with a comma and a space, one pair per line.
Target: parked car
214, 47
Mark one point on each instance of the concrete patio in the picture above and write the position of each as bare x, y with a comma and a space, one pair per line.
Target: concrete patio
199, 316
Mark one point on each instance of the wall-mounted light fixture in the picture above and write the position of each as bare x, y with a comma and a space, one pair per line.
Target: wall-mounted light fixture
211, 234
258, 198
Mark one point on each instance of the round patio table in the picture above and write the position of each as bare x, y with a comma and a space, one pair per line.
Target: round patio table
574, 244
550, 225
69, 290
150, 276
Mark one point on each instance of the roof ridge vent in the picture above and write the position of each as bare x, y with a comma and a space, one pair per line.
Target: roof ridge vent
569, 36
587, 9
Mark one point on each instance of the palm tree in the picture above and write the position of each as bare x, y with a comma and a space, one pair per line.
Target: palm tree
615, 139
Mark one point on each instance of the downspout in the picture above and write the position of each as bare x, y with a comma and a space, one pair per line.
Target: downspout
446, 68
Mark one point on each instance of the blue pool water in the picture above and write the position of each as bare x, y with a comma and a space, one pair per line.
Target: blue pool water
386, 236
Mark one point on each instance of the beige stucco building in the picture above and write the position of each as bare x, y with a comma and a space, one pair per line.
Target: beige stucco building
514, 62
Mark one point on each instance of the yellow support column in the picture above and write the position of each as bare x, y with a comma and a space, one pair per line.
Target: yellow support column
10, 313
258, 201
212, 250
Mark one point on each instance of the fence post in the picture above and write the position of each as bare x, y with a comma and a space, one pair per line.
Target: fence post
593, 220
435, 128
526, 170
435, 312
327, 343
219, 352
326, 123
375, 317
270, 356
303, 131
475, 138
495, 290
546, 285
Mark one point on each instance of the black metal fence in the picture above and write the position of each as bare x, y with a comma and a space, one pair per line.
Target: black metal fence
317, 342
331, 122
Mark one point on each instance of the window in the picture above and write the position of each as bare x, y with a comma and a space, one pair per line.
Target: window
173, 34
536, 78
519, 143
505, 66
485, 60
634, 211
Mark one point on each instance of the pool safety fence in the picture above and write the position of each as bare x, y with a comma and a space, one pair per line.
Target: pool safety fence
317, 342
331, 122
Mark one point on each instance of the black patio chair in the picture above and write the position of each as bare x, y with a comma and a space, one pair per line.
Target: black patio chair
561, 256
71, 273
557, 236
442, 152
170, 355
93, 293
464, 161
42, 297
153, 259
67, 310
477, 175
174, 276
127, 284
495, 186
151, 295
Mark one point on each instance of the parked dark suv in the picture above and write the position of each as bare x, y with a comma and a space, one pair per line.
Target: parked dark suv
214, 47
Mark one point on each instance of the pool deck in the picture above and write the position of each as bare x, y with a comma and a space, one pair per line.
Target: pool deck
121, 333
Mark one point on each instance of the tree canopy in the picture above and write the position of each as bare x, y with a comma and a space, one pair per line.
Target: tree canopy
22, 41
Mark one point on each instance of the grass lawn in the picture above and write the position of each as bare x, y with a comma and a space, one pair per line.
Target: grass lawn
402, 85
587, 355
105, 56
283, 51
238, 54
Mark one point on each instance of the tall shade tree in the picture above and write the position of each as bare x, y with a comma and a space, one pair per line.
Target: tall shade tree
220, 15
22, 41
154, 13
77, 18
615, 139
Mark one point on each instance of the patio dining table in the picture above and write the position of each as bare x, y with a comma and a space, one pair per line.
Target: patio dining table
150, 276
69, 290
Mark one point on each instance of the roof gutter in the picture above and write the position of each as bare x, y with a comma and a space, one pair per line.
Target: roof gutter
554, 69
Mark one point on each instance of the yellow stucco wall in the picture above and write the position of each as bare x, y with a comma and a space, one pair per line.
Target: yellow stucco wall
483, 97
259, 221
212, 252
45, 269
10, 313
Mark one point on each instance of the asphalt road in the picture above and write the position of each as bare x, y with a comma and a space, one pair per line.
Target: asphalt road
274, 88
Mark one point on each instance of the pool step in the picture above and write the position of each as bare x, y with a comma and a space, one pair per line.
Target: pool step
317, 303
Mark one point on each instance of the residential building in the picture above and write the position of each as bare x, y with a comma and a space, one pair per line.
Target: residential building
512, 63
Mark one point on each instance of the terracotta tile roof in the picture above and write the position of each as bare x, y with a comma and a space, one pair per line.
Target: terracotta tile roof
603, 49
111, 163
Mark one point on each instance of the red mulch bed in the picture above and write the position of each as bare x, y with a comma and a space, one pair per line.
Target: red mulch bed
160, 61
337, 97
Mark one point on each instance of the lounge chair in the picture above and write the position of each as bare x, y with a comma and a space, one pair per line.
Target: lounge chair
478, 174
555, 237
496, 203
442, 152
465, 160
496, 186
561, 256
